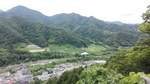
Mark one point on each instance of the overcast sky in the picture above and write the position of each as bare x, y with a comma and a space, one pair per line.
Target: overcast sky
128, 11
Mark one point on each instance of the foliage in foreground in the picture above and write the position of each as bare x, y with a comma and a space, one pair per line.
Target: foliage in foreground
96, 74
136, 58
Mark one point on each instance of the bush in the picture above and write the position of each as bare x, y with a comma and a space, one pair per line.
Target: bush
97, 74
135, 59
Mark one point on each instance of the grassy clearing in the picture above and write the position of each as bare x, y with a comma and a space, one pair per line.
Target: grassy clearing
91, 49
95, 49
64, 48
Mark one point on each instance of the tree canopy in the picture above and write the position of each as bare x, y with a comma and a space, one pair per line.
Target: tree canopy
145, 26
136, 58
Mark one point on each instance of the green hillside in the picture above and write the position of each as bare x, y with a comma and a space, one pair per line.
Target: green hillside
30, 26
21, 26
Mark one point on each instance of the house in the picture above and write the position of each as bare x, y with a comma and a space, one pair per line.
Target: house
84, 54
33, 47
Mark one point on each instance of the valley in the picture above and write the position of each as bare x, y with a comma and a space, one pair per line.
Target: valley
23, 73
69, 48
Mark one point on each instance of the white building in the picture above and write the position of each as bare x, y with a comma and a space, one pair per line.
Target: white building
84, 53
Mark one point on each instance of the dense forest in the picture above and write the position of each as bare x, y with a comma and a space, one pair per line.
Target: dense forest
29, 26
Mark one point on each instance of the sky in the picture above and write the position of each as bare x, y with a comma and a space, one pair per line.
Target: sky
127, 11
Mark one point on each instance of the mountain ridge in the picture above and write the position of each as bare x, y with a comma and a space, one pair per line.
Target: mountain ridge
73, 13
75, 29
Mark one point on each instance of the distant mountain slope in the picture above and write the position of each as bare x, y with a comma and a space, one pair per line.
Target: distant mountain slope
23, 25
29, 14
97, 30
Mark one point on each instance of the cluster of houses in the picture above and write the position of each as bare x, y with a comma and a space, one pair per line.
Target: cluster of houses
57, 71
22, 75
60, 69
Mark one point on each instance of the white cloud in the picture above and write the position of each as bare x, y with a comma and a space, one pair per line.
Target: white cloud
109, 10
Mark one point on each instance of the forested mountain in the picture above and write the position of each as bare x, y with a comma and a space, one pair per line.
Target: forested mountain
73, 38
29, 14
23, 25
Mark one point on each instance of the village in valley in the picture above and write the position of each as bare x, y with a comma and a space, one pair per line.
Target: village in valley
21, 73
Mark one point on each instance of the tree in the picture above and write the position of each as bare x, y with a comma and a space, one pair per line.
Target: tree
97, 74
145, 26
137, 58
